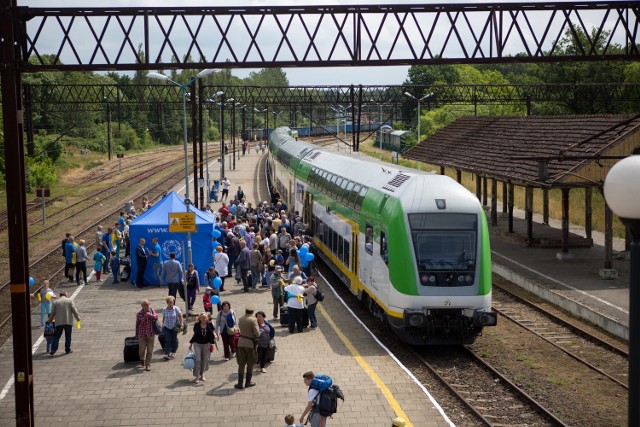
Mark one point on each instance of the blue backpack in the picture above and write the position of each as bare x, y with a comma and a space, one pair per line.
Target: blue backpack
49, 329
321, 382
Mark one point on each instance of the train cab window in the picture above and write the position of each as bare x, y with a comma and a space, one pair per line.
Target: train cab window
343, 190
384, 251
368, 239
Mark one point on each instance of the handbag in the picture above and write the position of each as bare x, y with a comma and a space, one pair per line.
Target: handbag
157, 329
189, 360
233, 330
272, 343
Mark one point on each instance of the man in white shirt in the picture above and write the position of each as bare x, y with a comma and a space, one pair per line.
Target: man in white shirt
316, 419
295, 304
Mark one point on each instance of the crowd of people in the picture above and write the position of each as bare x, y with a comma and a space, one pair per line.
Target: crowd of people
266, 247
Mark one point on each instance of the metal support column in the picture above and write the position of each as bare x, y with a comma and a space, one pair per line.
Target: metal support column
608, 237
565, 220
528, 212
504, 197
28, 119
494, 202
510, 206
485, 196
109, 130
545, 206
17, 213
588, 196
194, 138
201, 135
479, 187
459, 176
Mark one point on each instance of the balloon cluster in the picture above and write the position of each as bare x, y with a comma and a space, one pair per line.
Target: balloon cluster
216, 233
215, 299
305, 256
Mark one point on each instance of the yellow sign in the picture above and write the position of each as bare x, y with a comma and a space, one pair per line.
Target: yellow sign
182, 222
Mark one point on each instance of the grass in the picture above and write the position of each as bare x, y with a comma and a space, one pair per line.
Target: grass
92, 164
523, 358
576, 195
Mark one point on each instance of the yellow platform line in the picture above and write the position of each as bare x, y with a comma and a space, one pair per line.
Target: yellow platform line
368, 369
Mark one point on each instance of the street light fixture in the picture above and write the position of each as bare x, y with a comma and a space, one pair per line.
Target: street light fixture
206, 117
619, 186
187, 200
429, 95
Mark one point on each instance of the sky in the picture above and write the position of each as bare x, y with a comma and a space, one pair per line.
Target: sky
382, 75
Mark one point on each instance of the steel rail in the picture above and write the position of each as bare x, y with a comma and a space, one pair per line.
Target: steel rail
572, 327
564, 350
85, 230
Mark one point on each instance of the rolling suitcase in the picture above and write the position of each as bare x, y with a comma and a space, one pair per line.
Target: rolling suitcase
284, 316
131, 350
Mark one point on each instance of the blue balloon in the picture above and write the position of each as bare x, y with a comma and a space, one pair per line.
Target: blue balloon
303, 251
31, 281
309, 257
215, 299
215, 234
303, 263
217, 282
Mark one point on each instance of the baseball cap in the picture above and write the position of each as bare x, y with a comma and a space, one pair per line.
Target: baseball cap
279, 268
249, 308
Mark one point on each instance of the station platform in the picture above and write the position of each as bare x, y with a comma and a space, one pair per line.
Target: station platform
94, 387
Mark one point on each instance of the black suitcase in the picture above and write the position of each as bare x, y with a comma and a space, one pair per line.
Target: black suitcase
305, 318
271, 354
131, 347
284, 316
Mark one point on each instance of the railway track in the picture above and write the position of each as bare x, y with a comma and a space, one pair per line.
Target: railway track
607, 359
489, 395
47, 266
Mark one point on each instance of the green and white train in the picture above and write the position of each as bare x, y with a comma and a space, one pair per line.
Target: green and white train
414, 247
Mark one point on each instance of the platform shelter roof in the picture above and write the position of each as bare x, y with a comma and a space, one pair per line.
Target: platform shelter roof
537, 151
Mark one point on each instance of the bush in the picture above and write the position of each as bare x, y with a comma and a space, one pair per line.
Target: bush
40, 173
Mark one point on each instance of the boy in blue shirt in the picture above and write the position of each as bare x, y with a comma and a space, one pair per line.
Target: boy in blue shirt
114, 264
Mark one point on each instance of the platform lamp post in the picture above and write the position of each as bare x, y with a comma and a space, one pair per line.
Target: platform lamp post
210, 101
429, 95
619, 186
220, 94
265, 135
187, 200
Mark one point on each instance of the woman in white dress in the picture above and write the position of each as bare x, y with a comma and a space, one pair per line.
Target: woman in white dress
221, 263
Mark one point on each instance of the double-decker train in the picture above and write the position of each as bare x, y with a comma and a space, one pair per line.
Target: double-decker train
305, 131
412, 246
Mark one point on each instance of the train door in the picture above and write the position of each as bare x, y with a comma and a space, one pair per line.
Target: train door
366, 259
306, 209
355, 260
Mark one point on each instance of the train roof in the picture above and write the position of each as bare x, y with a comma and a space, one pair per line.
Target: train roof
414, 187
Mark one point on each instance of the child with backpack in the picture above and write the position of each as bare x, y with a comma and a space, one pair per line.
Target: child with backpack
49, 332
322, 399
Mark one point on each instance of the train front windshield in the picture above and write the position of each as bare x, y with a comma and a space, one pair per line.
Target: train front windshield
444, 242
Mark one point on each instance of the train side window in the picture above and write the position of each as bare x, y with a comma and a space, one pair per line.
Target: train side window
354, 195
360, 198
343, 190
347, 253
333, 192
384, 251
341, 249
368, 239
334, 242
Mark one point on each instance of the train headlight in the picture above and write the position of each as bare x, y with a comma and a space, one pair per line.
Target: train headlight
433, 279
414, 319
468, 278
485, 318
460, 279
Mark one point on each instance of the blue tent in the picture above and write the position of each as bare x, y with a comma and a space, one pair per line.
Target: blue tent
155, 223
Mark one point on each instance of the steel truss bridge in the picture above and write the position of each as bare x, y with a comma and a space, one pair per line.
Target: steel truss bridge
107, 39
